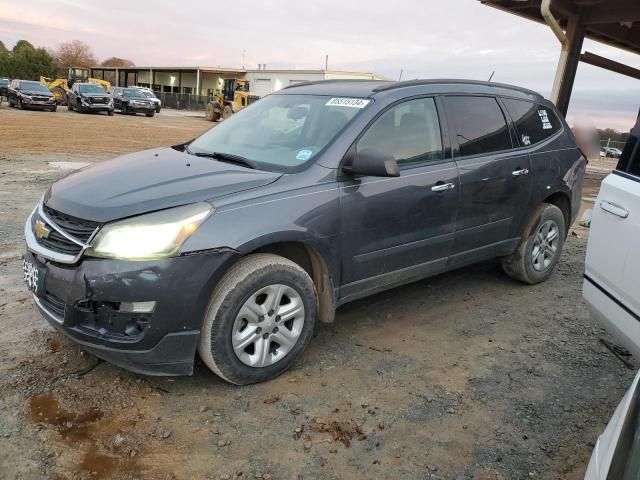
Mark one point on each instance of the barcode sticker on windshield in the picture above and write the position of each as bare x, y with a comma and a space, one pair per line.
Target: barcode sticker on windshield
348, 102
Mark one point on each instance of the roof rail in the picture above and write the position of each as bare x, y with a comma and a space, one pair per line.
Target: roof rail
411, 83
331, 80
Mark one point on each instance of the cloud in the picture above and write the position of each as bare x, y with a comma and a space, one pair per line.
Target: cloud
428, 38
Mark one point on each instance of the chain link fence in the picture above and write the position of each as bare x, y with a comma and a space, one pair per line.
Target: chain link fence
183, 101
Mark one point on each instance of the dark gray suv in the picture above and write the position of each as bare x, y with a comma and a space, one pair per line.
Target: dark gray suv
235, 243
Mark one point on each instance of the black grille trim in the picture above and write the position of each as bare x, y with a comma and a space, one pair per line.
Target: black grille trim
77, 228
81, 230
53, 303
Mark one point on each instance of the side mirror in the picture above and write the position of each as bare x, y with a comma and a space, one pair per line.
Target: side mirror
373, 163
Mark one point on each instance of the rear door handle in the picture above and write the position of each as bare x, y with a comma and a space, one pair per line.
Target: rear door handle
521, 172
615, 209
441, 187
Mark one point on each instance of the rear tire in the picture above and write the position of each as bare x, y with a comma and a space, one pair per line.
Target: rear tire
242, 346
540, 247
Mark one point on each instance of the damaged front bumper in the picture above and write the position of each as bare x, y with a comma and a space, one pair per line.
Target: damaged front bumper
93, 302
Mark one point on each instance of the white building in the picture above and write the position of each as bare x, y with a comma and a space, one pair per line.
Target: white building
203, 81
263, 82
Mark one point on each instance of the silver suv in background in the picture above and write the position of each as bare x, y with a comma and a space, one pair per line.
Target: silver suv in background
147, 92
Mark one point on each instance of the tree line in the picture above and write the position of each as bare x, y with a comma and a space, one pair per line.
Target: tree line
27, 62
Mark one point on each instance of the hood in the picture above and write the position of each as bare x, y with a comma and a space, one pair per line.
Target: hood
147, 181
38, 93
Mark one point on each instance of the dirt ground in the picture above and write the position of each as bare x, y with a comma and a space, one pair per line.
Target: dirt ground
467, 375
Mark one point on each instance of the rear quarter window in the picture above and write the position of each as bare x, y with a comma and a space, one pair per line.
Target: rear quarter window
534, 122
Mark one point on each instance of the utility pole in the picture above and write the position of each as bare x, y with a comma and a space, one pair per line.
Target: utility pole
244, 53
400, 77
326, 63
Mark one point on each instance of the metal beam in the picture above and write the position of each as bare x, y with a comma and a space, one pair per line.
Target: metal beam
602, 62
611, 12
573, 47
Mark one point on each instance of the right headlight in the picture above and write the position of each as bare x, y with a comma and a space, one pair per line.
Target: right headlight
150, 236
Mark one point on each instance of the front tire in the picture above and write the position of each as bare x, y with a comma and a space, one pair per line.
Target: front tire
123, 109
151, 114
227, 112
20, 106
259, 320
211, 114
540, 247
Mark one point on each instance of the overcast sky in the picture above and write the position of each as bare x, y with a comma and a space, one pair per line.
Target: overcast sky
424, 38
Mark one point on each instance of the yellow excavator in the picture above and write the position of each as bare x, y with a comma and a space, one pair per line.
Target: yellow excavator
233, 97
59, 86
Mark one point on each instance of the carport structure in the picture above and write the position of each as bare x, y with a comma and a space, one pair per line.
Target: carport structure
612, 22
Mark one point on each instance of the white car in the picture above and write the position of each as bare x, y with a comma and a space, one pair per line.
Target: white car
612, 291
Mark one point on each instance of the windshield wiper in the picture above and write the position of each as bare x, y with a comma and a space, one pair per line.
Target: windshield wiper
225, 157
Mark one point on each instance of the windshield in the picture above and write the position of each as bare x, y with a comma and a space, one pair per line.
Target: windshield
148, 94
91, 88
33, 87
280, 132
133, 93
4, 81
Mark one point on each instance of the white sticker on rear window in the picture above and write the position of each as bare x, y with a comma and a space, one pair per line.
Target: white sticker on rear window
347, 102
544, 117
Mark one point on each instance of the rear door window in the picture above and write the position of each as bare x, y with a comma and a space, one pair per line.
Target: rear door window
478, 124
533, 122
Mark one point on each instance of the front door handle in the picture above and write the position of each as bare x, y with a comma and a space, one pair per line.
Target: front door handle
442, 187
617, 210
521, 172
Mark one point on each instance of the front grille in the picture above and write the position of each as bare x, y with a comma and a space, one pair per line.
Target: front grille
82, 230
53, 303
98, 100
40, 99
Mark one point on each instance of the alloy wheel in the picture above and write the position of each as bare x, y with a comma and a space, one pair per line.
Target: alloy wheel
545, 245
268, 325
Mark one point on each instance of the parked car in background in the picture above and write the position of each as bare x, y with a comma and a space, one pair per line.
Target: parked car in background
30, 94
4, 87
147, 92
612, 291
89, 97
610, 152
131, 100
235, 243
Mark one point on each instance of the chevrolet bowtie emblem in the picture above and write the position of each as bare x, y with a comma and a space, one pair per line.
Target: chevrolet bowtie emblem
41, 229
